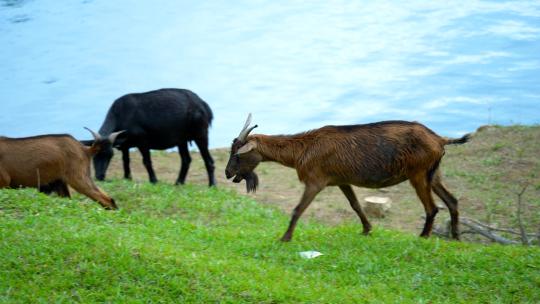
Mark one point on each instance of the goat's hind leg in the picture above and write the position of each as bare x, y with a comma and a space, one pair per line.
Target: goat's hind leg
423, 190
351, 197
202, 143
450, 201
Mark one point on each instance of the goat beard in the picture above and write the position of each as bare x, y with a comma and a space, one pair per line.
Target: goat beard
252, 181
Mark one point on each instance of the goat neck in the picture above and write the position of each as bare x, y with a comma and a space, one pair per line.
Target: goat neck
283, 149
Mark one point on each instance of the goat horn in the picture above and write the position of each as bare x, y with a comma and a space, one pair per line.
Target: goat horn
96, 135
245, 131
112, 137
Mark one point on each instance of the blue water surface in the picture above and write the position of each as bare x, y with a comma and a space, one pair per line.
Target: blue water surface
296, 65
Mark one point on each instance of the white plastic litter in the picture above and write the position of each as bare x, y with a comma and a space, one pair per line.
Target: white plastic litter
310, 254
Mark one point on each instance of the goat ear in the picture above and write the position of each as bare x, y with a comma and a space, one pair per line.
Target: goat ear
247, 147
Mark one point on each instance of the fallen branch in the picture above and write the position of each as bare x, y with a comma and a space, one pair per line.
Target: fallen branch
486, 233
476, 227
495, 228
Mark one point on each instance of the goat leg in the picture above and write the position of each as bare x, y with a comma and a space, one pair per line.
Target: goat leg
186, 161
147, 161
202, 143
125, 162
351, 197
451, 202
309, 194
423, 191
88, 188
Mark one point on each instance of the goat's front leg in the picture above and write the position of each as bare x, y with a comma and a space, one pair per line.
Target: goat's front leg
125, 162
309, 194
147, 161
87, 187
186, 160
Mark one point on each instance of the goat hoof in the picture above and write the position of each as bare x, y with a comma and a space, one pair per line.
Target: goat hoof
367, 230
285, 239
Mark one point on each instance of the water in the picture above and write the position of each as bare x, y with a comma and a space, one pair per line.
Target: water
294, 65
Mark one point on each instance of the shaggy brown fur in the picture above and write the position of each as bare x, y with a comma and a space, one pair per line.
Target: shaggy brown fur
373, 155
49, 162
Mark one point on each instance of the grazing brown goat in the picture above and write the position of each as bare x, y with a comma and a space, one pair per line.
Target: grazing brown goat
372, 155
50, 163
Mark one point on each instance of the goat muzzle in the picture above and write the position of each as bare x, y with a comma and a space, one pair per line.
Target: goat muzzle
228, 174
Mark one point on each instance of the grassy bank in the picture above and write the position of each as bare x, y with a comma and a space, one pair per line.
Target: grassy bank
193, 244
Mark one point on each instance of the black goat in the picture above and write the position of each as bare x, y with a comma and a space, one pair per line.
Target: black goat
159, 120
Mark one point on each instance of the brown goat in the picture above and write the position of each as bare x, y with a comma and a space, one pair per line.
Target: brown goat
49, 162
372, 155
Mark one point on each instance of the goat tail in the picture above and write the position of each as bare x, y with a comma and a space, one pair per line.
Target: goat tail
458, 141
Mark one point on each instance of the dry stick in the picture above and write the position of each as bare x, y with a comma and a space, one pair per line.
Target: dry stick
524, 238
480, 230
495, 228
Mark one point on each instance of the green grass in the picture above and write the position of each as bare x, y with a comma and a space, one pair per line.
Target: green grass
194, 244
